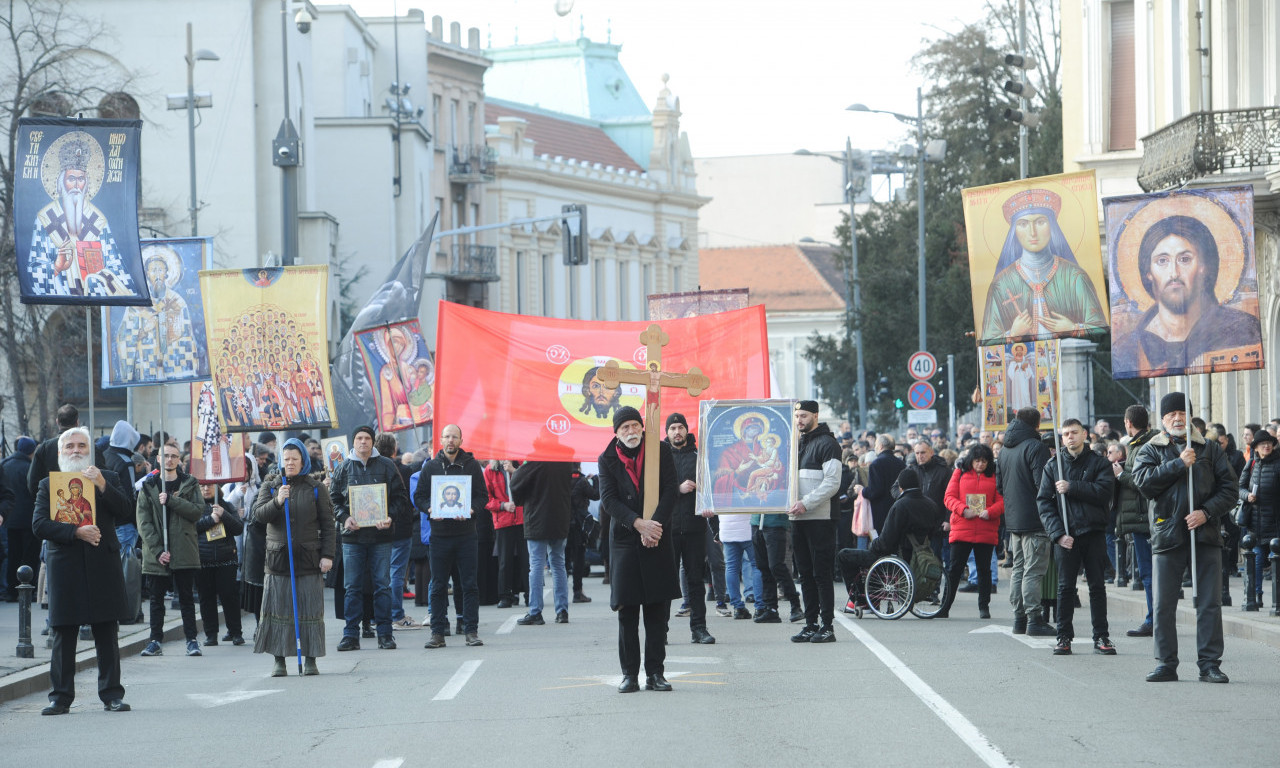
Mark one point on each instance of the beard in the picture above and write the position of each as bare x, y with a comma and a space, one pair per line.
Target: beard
1175, 296
632, 441
1178, 431
74, 463
73, 206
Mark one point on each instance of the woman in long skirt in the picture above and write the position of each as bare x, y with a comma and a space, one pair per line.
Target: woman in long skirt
314, 539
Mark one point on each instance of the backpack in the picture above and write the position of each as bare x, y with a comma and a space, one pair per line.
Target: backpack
925, 567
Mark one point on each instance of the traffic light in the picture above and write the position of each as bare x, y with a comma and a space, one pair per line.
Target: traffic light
899, 404
1021, 88
882, 390
573, 235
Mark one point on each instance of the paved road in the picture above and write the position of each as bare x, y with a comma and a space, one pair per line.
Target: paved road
958, 692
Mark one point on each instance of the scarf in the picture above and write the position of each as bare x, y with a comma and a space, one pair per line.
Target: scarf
633, 464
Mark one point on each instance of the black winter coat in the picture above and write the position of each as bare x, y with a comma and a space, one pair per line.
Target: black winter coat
219, 551
934, 476
464, 464
378, 469
911, 515
1088, 499
1161, 477
1131, 507
1261, 477
13, 475
1018, 474
545, 490
684, 519
882, 473
86, 584
638, 574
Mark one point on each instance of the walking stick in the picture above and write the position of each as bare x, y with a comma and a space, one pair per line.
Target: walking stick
293, 576
1191, 499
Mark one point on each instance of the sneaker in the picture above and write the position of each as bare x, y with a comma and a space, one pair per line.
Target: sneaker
562, 617
1063, 648
406, 623
436, 641
193, 648
852, 608
153, 649
1143, 630
767, 616
472, 639
530, 619
805, 635
683, 612
741, 613
1039, 628
349, 644
367, 632
1102, 645
386, 643
724, 610
797, 613
824, 635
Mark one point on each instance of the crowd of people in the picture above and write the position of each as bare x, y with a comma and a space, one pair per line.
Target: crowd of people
1113, 507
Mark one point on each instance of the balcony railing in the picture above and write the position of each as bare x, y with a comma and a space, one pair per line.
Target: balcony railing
471, 163
1208, 143
476, 263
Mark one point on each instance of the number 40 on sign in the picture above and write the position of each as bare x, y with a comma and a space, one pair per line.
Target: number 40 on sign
922, 365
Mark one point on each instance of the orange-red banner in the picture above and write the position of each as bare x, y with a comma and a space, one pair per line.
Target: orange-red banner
524, 387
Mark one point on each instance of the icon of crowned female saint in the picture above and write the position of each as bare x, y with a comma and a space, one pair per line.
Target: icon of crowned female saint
1039, 291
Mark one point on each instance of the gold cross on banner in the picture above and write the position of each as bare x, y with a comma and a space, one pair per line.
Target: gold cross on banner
654, 379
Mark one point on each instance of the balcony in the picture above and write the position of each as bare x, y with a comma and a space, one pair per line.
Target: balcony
471, 263
471, 163
1205, 144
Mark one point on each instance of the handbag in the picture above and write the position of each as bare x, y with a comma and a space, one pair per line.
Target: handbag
863, 525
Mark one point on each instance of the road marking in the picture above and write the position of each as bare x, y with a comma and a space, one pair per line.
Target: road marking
981, 746
613, 681
507, 626
692, 660
458, 680
211, 700
1027, 640
394, 762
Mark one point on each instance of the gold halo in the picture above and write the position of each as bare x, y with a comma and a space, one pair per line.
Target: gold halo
1073, 219
171, 259
737, 423
49, 169
1208, 211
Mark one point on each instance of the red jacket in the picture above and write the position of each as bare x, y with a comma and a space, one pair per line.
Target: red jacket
974, 530
495, 482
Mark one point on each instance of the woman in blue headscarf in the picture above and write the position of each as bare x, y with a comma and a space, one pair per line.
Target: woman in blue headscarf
314, 539
1039, 291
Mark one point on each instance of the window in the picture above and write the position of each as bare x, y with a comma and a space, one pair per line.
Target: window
624, 297
675, 279
471, 123
118, 106
597, 268
435, 118
453, 122
520, 283
1123, 126
647, 281
546, 285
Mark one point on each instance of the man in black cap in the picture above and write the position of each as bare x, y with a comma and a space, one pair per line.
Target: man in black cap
912, 515
642, 565
813, 522
688, 529
269, 440
1160, 473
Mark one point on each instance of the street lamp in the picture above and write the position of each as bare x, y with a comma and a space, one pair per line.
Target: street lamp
286, 148
935, 152
853, 288
190, 103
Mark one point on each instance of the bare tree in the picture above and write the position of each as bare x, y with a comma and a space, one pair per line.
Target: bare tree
50, 64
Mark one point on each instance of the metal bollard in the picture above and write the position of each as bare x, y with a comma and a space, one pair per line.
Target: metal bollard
25, 589
1247, 543
1275, 576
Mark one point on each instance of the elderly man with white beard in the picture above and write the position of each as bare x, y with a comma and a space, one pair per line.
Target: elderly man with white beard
86, 585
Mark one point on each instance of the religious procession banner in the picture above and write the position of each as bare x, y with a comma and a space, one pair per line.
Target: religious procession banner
268, 347
747, 456
216, 456
523, 387
399, 370
1035, 262
72, 499
1016, 376
165, 342
76, 212
670, 306
1184, 285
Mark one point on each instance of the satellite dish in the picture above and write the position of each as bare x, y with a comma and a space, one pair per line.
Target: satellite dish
563, 7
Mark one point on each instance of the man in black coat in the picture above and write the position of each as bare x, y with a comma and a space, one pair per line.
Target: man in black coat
1018, 472
545, 490
1087, 483
881, 474
24, 547
86, 585
45, 459
912, 515
688, 529
813, 521
1161, 474
642, 564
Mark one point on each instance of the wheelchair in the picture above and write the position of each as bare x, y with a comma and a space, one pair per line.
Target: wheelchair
889, 591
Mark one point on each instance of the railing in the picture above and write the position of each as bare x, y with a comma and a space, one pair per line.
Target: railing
471, 162
1207, 143
473, 262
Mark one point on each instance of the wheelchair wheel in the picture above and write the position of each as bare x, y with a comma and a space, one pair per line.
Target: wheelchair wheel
928, 605
890, 587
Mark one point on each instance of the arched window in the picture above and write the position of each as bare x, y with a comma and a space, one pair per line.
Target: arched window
120, 106
51, 104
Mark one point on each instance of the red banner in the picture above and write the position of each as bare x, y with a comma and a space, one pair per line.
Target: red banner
524, 387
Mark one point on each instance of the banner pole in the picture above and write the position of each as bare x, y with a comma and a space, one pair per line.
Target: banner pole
88, 354
1057, 419
1191, 496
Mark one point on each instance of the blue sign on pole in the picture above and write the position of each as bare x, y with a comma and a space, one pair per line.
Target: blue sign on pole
921, 395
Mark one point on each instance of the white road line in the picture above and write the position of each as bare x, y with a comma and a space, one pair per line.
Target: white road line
981, 746
394, 762
507, 626
459, 679
211, 700
1027, 640
692, 660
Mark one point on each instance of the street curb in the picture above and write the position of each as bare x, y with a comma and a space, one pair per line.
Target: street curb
1260, 627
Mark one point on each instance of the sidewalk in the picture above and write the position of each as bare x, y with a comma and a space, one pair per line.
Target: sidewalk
1260, 627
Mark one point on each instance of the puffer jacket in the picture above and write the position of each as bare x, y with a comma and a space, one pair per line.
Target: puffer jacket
1018, 471
1261, 477
820, 471
183, 507
1092, 480
1131, 507
1161, 477
498, 486
311, 525
974, 529
376, 469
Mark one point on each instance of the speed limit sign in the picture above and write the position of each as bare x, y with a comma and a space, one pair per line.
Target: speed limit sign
922, 365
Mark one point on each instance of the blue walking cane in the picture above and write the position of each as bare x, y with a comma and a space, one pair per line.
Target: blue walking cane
293, 577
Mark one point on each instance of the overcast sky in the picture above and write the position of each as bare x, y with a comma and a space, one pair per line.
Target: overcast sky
753, 76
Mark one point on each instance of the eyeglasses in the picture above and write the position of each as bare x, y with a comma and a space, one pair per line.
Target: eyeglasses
171, 457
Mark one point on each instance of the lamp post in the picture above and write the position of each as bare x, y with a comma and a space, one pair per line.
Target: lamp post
918, 122
853, 288
286, 147
192, 57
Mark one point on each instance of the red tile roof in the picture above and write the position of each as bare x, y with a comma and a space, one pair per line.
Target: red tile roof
784, 278
564, 137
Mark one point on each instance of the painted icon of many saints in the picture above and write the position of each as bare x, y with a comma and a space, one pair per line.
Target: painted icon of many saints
269, 374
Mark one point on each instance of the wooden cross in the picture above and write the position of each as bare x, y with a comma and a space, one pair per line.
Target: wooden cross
654, 379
